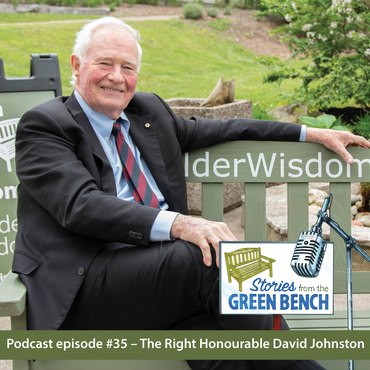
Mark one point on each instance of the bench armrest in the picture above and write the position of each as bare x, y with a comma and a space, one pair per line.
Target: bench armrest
12, 296
268, 258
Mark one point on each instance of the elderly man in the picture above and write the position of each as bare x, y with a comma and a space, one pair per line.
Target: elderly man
104, 239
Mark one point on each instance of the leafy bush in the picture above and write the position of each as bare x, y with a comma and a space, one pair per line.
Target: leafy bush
228, 11
112, 3
192, 11
334, 34
362, 126
324, 121
212, 12
68, 2
90, 3
149, 2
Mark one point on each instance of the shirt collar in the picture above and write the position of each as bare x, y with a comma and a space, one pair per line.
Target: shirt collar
101, 123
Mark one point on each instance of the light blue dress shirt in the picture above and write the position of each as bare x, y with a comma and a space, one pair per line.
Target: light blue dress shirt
102, 126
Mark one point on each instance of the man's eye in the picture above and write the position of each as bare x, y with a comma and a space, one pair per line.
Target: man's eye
128, 69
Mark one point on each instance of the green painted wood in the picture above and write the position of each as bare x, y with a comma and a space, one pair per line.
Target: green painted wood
337, 321
256, 161
255, 211
297, 210
109, 364
328, 325
12, 296
360, 281
336, 315
340, 213
21, 364
343, 364
212, 201
19, 322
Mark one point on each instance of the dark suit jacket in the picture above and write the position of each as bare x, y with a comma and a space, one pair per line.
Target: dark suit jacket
67, 204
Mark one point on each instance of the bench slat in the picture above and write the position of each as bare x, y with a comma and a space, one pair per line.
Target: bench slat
255, 211
252, 269
341, 210
297, 205
212, 201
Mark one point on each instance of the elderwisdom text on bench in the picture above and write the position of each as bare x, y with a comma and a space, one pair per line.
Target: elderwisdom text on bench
277, 164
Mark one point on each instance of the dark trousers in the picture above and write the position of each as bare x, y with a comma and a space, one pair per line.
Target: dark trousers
163, 286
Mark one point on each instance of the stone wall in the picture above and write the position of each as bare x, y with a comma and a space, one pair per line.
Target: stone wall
42, 8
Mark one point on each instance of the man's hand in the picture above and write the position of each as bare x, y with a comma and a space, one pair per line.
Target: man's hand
336, 141
203, 233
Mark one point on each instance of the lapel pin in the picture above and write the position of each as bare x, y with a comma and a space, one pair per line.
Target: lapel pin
147, 125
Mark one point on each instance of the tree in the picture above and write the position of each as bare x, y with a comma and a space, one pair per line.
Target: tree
334, 35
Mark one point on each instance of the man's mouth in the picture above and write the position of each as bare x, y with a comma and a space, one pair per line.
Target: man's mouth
108, 89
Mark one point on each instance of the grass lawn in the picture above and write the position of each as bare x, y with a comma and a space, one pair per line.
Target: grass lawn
178, 60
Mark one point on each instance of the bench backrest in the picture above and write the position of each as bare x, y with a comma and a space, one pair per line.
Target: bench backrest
17, 95
8, 129
298, 164
242, 256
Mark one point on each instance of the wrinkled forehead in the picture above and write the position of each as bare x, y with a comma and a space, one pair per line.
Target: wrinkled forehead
113, 36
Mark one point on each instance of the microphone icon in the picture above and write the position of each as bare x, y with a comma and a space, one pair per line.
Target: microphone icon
310, 248
308, 254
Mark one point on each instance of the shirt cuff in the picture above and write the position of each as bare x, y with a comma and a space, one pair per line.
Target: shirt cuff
302, 137
161, 227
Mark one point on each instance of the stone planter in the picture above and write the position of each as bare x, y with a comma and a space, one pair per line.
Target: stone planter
189, 107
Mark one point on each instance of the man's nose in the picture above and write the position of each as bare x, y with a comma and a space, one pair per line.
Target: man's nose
115, 75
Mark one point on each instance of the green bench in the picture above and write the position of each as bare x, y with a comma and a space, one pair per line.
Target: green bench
244, 263
13, 293
254, 164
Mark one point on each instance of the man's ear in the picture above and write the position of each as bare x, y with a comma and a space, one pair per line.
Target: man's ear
76, 64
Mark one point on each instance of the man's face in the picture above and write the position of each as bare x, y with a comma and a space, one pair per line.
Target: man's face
108, 77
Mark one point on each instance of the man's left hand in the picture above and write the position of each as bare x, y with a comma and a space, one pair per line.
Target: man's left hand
336, 141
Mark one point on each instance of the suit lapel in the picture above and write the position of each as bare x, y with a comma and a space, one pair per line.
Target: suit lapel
106, 174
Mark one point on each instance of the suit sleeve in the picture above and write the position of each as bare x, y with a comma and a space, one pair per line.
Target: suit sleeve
196, 133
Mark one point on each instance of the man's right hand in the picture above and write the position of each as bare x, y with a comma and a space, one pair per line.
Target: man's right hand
203, 233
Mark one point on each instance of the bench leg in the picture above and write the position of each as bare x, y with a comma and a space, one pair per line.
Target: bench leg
240, 286
270, 270
9, 165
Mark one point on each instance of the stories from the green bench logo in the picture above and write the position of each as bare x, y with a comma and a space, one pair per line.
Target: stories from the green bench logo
261, 278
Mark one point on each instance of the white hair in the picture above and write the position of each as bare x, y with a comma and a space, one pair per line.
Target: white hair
85, 35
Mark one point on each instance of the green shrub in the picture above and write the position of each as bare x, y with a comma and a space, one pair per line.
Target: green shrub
325, 121
90, 3
261, 113
68, 2
212, 12
362, 126
228, 10
112, 3
192, 10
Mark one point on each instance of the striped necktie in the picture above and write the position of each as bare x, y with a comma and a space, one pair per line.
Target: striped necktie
143, 194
